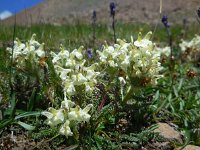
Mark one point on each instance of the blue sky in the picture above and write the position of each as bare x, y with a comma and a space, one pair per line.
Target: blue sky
15, 6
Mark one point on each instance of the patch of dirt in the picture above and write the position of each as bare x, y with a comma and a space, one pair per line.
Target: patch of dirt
129, 11
16, 142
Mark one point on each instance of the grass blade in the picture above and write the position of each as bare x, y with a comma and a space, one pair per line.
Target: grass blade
27, 114
26, 126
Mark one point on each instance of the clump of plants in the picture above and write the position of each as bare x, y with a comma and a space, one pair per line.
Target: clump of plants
111, 103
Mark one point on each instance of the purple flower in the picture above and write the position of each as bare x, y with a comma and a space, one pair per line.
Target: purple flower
94, 15
165, 21
112, 8
89, 53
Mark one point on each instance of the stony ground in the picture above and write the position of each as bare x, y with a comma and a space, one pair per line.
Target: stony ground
168, 133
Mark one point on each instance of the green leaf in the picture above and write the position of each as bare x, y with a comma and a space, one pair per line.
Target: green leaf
182, 104
175, 91
19, 111
12, 104
130, 144
5, 122
130, 138
153, 127
71, 147
180, 85
191, 87
172, 108
162, 105
100, 126
169, 97
26, 126
186, 122
148, 35
153, 108
157, 95
99, 142
187, 135
31, 100
11, 109
26, 114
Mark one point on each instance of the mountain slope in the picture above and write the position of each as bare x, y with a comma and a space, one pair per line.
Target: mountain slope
69, 11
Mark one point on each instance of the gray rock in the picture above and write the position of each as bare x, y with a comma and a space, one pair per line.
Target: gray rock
169, 133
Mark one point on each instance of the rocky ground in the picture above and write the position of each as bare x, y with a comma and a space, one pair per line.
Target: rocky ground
168, 133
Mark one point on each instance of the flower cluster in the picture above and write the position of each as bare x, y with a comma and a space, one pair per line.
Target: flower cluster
67, 114
137, 59
31, 50
194, 44
72, 69
190, 49
73, 72
165, 51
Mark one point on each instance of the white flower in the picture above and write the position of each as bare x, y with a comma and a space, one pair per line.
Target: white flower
66, 104
40, 51
79, 114
103, 56
122, 81
194, 44
54, 116
33, 42
122, 45
125, 63
79, 79
65, 129
32, 51
112, 63
142, 43
91, 74
63, 72
77, 53
89, 86
136, 59
70, 63
90, 71
163, 51
107, 53
145, 42
61, 57
72, 70
69, 87
18, 48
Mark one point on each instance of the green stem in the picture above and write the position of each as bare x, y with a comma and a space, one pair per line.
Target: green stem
122, 92
11, 60
132, 89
